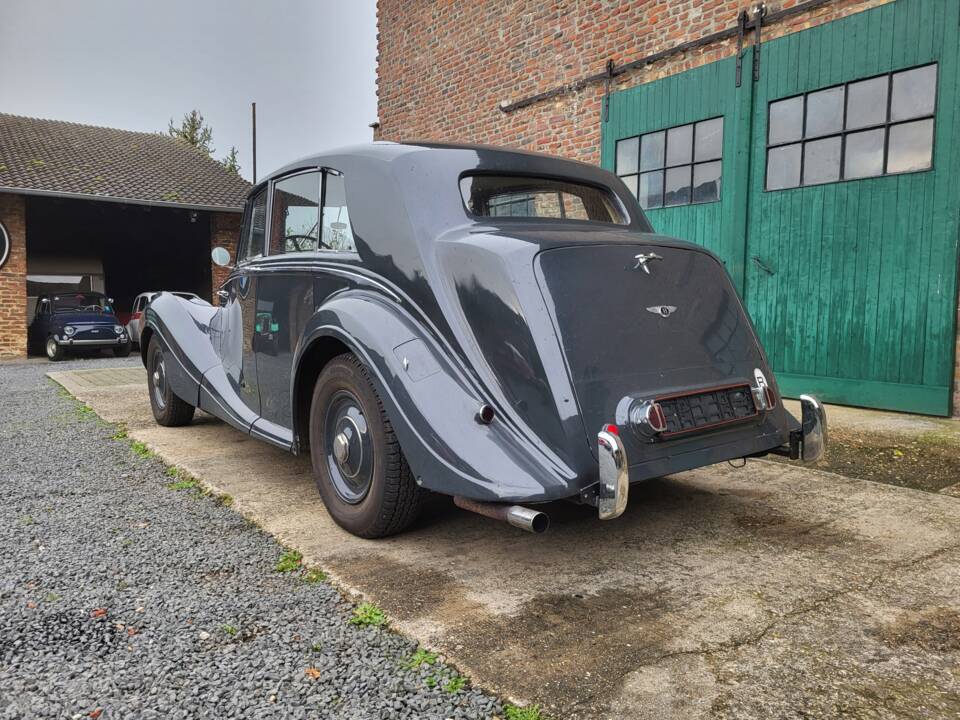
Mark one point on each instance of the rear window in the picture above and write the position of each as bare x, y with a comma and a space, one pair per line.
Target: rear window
520, 196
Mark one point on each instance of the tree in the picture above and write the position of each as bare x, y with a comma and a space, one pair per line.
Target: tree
232, 161
193, 132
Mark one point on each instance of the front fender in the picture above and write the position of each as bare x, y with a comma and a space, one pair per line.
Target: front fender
183, 328
432, 404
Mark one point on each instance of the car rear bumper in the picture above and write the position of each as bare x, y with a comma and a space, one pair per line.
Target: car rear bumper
808, 443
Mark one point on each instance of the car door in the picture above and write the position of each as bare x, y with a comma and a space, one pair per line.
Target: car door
306, 234
239, 311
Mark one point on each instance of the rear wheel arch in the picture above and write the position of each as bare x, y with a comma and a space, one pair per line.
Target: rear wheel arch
311, 363
145, 336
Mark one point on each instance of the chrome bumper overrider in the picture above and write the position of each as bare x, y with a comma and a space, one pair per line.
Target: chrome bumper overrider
814, 428
614, 476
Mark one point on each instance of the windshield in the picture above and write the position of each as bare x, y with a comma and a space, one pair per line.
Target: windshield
519, 196
81, 302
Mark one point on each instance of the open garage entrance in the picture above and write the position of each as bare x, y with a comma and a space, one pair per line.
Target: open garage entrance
117, 249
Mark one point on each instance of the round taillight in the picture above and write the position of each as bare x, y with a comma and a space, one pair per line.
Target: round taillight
655, 417
611, 428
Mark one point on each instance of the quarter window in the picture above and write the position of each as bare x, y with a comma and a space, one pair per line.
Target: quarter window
677, 166
337, 230
879, 126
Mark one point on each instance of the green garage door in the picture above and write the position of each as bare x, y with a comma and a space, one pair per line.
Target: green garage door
832, 196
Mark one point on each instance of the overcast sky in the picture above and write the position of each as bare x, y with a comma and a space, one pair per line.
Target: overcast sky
310, 65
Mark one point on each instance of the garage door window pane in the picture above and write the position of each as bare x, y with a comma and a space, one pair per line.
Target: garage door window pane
783, 167
627, 155
911, 147
821, 161
706, 182
863, 156
867, 103
650, 193
914, 93
786, 120
679, 145
825, 112
651, 151
708, 140
676, 189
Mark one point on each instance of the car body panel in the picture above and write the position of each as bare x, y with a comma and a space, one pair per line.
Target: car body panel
544, 321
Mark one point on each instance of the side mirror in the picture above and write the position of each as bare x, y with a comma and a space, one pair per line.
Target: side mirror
220, 256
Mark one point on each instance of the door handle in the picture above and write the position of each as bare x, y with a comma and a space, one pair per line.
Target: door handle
762, 265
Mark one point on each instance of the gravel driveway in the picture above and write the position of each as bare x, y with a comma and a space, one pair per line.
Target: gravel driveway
123, 597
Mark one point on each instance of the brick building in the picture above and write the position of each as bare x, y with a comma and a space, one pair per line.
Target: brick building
807, 143
92, 208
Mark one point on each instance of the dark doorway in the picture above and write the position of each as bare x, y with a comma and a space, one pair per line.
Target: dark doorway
128, 249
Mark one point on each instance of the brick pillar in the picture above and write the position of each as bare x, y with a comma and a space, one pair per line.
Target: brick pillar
13, 279
225, 233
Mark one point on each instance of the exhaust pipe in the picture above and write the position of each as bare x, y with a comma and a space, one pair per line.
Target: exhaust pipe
520, 517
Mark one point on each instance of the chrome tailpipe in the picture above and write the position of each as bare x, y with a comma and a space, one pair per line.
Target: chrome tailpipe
519, 516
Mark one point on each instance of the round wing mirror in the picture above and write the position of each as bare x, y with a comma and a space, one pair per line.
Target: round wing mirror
220, 256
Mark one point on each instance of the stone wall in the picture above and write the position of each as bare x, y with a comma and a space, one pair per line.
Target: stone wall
13, 279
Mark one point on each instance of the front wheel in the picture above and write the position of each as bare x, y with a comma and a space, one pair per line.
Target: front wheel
358, 465
54, 350
168, 409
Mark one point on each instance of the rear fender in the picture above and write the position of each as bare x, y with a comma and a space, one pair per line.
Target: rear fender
433, 406
182, 328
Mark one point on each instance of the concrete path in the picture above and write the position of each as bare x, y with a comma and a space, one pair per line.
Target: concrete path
765, 592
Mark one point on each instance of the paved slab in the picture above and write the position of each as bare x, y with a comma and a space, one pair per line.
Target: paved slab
768, 591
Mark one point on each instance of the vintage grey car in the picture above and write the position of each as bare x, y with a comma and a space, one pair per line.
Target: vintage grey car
500, 326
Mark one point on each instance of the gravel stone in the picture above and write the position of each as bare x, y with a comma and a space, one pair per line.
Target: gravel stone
120, 595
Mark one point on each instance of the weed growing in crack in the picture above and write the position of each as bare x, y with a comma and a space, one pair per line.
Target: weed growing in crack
367, 614
289, 561
419, 658
314, 576
515, 712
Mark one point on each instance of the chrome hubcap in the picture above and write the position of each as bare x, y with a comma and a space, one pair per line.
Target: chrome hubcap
159, 380
349, 448
51, 347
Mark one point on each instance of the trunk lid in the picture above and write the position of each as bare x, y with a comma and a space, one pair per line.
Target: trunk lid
644, 320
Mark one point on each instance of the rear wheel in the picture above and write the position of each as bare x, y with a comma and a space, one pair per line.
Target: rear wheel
168, 409
358, 465
54, 350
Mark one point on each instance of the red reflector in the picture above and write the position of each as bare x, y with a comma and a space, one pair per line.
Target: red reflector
612, 429
655, 418
136, 316
771, 398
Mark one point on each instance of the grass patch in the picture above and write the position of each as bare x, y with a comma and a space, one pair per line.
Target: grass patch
141, 449
85, 412
419, 658
314, 576
120, 434
367, 614
229, 630
225, 500
51, 597
454, 684
184, 483
515, 712
289, 561
317, 647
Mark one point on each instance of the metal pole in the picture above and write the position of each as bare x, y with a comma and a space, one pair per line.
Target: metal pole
253, 107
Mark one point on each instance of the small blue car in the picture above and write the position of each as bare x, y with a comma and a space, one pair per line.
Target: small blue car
74, 321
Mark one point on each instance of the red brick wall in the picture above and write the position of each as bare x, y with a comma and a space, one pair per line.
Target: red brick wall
13, 279
444, 67
225, 233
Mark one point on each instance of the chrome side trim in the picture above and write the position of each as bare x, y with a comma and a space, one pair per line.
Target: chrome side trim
814, 424
614, 476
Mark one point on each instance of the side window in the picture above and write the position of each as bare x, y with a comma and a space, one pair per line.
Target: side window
335, 221
296, 214
255, 231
